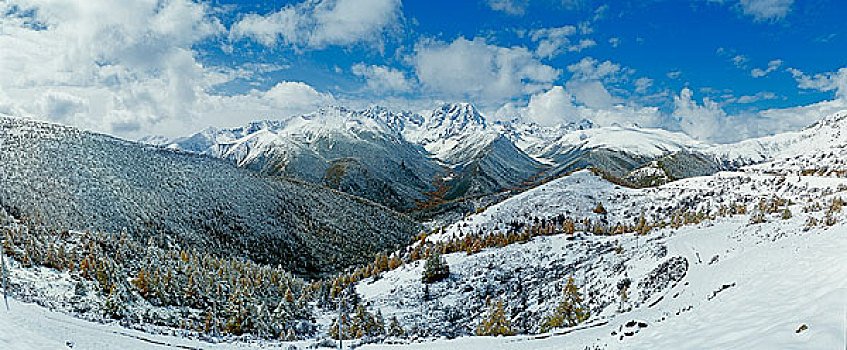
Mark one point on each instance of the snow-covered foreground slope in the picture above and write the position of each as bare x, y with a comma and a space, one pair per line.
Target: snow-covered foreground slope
31, 327
775, 286
754, 295
744, 281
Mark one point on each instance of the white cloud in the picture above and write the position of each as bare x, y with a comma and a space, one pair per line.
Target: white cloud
557, 106
772, 66
127, 68
642, 84
107, 66
554, 41
582, 45
707, 121
763, 10
381, 79
700, 121
759, 96
317, 24
829, 81
739, 61
591, 93
615, 42
552, 107
282, 100
512, 7
60, 106
590, 68
477, 70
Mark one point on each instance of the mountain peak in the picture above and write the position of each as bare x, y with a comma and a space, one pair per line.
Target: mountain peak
461, 114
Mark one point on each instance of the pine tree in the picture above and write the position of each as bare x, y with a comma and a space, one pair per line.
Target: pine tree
600, 209
435, 269
570, 312
394, 329
495, 322
786, 214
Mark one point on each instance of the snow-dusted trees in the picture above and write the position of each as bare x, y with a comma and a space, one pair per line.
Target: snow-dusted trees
495, 322
600, 209
217, 295
361, 324
570, 312
395, 329
435, 269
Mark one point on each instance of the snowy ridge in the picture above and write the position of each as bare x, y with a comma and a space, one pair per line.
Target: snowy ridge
820, 136
638, 141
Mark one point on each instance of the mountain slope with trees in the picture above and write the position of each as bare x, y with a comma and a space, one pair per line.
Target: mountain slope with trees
69, 179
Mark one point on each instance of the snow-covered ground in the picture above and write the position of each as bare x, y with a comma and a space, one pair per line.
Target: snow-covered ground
31, 327
776, 285
745, 289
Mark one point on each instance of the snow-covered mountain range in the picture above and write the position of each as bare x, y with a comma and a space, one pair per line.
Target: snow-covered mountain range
407, 160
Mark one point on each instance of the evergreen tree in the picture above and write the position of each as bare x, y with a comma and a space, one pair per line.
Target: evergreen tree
435, 269
570, 312
600, 209
495, 322
394, 329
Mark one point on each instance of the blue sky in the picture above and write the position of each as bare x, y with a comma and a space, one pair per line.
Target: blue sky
719, 70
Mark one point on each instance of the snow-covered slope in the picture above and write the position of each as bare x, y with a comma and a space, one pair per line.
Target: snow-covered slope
70, 179
828, 132
747, 287
750, 279
649, 143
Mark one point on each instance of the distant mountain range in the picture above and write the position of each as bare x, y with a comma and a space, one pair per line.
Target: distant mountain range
413, 161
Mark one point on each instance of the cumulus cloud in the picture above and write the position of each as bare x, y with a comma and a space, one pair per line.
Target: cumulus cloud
60, 106
126, 68
317, 24
477, 70
512, 7
551, 107
700, 121
104, 65
554, 41
591, 68
642, 84
285, 99
558, 105
829, 81
765, 10
772, 66
592, 93
382, 79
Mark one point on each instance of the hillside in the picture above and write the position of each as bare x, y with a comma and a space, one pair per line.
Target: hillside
69, 179
698, 283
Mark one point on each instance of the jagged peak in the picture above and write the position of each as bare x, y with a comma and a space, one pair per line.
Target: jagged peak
454, 118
